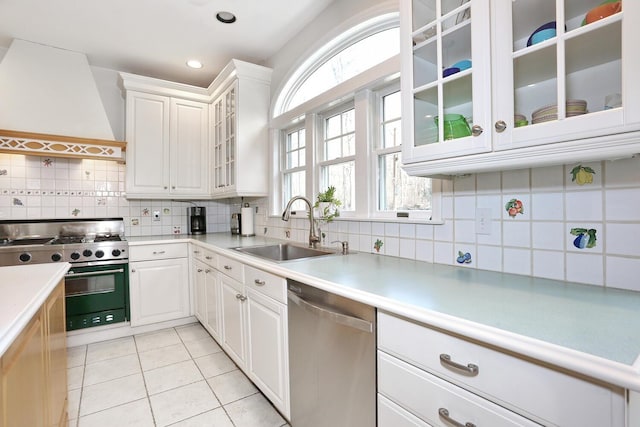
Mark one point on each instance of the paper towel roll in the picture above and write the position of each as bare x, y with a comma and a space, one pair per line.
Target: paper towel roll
246, 220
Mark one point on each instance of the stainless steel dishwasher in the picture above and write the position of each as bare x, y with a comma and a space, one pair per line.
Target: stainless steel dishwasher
332, 358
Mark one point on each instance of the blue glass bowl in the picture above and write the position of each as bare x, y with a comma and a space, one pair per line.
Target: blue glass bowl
548, 26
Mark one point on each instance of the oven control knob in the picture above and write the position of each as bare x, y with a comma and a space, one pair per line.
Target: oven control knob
87, 253
75, 256
116, 252
56, 257
25, 257
99, 253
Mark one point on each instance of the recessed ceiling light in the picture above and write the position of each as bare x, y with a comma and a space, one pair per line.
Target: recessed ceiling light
194, 63
226, 17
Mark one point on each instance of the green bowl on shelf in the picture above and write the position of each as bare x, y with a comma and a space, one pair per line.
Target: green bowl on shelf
455, 126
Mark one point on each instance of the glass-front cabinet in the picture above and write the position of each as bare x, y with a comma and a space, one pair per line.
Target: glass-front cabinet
519, 83
446, 77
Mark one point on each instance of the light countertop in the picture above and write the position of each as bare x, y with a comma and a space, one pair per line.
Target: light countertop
23, 290
589, 329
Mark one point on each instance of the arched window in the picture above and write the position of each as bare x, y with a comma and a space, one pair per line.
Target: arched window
353, 52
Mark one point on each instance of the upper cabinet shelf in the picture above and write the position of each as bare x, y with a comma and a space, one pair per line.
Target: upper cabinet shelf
547, 81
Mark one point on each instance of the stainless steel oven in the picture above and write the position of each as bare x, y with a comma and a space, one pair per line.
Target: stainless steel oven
96, 295
97, 285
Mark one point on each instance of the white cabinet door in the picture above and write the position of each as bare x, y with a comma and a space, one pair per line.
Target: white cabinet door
233, 323
159, 290
214, 304
189, 148
199, 288
147, 144
267, 360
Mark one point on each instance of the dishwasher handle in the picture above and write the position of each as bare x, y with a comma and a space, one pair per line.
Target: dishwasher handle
343, 319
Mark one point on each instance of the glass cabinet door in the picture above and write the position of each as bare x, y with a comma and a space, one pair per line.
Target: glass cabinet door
445, 50
218, 148
558, 70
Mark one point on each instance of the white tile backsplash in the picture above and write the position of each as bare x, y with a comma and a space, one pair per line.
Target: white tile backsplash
537, 242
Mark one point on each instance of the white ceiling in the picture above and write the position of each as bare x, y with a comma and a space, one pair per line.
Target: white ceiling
156, 37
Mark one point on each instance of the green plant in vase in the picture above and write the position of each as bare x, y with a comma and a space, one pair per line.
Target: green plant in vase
327, 204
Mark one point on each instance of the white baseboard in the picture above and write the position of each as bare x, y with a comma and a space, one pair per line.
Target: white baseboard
119, 330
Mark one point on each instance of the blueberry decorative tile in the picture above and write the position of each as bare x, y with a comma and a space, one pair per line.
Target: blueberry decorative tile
585, 238
514, 207
463, 258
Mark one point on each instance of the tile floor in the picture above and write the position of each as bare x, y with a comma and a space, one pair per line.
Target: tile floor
174, 377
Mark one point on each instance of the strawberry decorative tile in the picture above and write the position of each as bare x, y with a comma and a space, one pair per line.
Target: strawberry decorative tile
514, 207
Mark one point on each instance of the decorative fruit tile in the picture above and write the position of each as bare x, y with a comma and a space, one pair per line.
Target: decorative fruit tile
514, 207
585, 237
463, 258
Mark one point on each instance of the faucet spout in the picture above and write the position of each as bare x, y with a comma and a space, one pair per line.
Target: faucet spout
313, 237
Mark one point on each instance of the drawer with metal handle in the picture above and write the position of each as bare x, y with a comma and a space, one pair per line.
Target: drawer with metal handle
266, 283
231, 268
158, 251
535, 390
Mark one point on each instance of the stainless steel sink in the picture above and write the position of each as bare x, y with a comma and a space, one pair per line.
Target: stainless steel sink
283, 252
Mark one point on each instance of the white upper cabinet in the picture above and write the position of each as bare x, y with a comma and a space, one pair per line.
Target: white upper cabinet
568, 95
239, 130
167, 139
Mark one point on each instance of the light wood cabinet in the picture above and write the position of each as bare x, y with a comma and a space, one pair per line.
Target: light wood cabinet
508, 77
167, 140
415, 359
159, 283
33, 390
239, 118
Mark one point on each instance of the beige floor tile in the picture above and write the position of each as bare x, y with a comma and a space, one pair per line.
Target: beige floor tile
215, 364
254, 411
76, 356
163, 356
111, 369
231, 386
74, 377
73, 405
157, 339
110, 349
132, 414
172, 376
202, 347
216, 418
112, 393
182, 403
192, 332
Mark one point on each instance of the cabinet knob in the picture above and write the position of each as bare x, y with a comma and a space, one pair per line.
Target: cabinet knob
476, 130
500, 126
227, 267
165, 187
133, 270
199, 270
209, 257
173, 187
196, 252
241, 297
207, 271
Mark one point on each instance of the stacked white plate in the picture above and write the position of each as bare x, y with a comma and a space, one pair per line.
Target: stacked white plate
575, 107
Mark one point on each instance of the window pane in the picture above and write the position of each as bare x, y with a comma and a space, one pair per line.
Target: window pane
294, 185
349, 121
293, 141
294, 149
348, 63
391, 109
341, 176
399, 191
391, 134
349, 145
333, 127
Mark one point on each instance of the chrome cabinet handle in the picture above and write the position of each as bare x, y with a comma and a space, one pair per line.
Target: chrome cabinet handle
476, 130
71, 274
173, 187
470, 370
207, 271
158, 252
227, 267
165, 187
209, 257
133, 270
500, 126
196, 252
199, 270
444, 414
241, 297
259, 282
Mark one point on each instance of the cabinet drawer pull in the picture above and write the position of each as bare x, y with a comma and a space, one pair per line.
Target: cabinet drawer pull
227, 267
259, 282
158, 252
444, 414
196, 252
476, 130
209, 257
241, 297
199, 270
470, 370
207, 270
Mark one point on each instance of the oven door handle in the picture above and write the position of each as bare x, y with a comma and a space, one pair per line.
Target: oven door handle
72, 274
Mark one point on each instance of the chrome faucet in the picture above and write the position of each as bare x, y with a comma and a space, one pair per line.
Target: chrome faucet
313, 237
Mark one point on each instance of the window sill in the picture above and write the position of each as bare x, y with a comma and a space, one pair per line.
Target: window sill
380, 219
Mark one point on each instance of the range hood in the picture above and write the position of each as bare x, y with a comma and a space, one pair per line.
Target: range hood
50, 105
